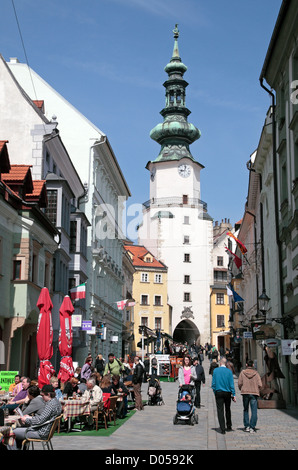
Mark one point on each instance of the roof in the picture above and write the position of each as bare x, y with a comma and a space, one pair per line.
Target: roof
139, 253
18, 177
39, 193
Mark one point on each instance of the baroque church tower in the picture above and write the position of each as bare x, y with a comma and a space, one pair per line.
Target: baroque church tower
176, 227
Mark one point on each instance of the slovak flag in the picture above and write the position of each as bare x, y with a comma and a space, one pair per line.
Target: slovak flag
78, 292
121, 304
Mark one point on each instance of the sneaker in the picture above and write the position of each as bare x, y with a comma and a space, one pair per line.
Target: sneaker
252, 431
247, 429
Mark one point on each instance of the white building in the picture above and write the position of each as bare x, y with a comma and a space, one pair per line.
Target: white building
176, 227
103, 205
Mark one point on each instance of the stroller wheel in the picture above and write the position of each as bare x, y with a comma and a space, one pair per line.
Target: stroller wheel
175, 419
192, 420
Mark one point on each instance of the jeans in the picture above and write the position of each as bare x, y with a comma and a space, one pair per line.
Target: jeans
251, 400
223, 404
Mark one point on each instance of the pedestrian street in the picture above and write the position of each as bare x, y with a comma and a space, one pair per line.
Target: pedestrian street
153, 428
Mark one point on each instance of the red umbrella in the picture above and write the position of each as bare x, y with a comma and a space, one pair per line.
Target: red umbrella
65, 340
44, 338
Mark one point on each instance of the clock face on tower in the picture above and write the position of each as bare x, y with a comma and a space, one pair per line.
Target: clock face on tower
184, 170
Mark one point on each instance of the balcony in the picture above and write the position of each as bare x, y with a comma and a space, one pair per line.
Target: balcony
175, 202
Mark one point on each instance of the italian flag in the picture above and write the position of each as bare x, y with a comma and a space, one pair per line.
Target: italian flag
78, 292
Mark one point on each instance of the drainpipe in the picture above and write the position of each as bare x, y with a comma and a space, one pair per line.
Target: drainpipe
276, 198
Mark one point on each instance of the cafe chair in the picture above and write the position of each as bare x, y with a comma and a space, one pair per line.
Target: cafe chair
100, 413
46, 443
112, 410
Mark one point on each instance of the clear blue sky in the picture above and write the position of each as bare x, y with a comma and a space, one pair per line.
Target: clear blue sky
107, 58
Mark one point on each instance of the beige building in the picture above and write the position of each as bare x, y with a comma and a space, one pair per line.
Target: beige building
150, 293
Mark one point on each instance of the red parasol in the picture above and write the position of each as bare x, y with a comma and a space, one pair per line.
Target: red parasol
44, 338
65, 340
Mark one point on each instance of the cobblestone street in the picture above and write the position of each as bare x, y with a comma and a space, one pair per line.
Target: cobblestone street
153, 428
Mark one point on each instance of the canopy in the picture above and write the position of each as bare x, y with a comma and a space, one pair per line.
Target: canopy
44, 338
65, 340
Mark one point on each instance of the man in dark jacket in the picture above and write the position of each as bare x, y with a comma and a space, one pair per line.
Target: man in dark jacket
200, 378
137, 380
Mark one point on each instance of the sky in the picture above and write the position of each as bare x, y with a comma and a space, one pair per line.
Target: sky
107, 58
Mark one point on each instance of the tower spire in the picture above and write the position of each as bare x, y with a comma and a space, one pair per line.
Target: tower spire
175, 134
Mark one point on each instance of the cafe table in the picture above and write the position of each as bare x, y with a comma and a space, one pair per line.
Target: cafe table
7, 436
73, 408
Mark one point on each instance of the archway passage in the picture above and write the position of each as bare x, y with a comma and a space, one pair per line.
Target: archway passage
186, 331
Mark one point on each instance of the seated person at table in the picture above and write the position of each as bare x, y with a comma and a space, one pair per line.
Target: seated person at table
71, 387
20, 398
55, 383
12, 387
93, 394
38, 427
106, 384
34, 403
118, 388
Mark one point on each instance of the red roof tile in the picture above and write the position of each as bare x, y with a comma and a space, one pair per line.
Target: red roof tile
17, 173
139, 255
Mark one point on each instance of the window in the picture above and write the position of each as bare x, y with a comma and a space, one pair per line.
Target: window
73, 236
51, 209
144, 321
186, 220
185, 198
186, 258
144, 300
157, 300
186, 240
187, 279
17, 269
220, 261
220, 276
157, 322
158, 278
145, 277
220, 321
148, 259
220, 299
187, 297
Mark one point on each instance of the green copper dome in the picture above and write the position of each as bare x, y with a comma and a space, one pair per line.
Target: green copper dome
175, 134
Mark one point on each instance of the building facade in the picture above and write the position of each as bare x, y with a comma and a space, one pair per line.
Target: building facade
219, 299
150, 294
103, 204
28, 242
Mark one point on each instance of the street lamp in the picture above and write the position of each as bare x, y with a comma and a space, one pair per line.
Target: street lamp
263, 303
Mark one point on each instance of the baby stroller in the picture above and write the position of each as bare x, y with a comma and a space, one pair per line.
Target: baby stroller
185, 405
154, 392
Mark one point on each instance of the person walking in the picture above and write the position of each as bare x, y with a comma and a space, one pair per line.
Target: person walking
198, 381
249, 384
224, 391
137, 380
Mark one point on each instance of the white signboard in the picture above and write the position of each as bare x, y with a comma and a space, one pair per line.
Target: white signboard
247, 334
76, 320
286, 347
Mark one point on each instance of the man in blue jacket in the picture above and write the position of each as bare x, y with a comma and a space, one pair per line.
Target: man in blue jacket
224, 390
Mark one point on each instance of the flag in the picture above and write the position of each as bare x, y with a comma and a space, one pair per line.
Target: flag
236, 296
78, 292
239, 243
121, 304
237, 260
130, 304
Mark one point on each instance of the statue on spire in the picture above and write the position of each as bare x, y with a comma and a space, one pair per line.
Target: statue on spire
176, 31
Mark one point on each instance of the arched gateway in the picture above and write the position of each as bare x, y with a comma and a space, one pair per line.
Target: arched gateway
186, 331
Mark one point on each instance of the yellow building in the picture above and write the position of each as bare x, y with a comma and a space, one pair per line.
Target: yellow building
219, 300
150, 292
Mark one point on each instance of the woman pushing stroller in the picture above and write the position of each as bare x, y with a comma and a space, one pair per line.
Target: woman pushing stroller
187, 373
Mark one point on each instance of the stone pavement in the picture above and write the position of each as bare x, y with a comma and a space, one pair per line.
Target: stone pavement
153, 428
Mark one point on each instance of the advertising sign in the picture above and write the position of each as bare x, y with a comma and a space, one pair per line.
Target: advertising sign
86, 325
